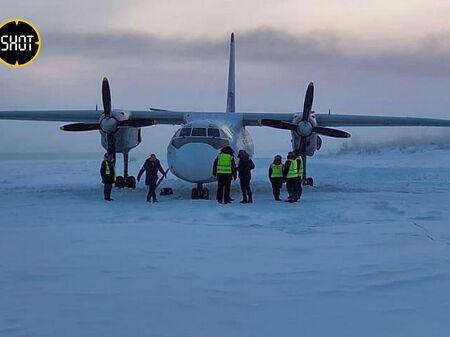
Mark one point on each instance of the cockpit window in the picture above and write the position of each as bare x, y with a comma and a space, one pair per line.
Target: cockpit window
201, 132
213, 133
185, 132
222, 134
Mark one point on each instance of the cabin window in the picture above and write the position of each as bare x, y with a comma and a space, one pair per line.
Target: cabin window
213, 133
185, 132
199, 132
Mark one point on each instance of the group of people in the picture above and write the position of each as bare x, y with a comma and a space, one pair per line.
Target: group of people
290, 172
225, 170
151, 168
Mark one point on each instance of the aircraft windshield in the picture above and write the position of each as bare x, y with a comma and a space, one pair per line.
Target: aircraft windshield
200, 132
213, 133
185, 132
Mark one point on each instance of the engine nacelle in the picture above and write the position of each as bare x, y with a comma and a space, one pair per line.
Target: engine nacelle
313, 143
126, 138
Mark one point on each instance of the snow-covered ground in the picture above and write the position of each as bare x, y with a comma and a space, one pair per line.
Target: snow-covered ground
366, 253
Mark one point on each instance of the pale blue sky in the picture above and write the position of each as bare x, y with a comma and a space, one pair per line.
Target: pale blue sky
365, 57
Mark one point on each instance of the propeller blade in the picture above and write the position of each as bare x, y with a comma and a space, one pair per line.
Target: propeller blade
106, 96
111, 142
277, 124
302, 146
80, 127
307, 105
331, 132
302, 151
156, 109
136, 123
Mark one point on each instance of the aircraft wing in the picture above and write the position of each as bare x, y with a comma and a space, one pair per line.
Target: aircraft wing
90, 116
361, 120
254, 118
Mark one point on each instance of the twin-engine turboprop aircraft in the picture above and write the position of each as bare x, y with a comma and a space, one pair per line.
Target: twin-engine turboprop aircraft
203, 134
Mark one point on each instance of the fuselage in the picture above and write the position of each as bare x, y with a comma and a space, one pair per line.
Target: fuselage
194, 146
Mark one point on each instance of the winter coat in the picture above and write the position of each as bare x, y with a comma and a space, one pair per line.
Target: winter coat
107, 178
245, 167
151, 169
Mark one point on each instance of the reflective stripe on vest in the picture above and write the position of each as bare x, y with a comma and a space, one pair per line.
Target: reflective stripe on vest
277, 171
292, 173
300, 168
224, 164
108, 170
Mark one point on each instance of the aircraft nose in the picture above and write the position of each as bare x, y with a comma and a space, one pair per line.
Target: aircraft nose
193, 162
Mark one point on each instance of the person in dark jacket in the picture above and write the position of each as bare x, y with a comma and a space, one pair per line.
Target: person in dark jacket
244, 168
276, 176
290, 173
224, 169
108, 174
151, 168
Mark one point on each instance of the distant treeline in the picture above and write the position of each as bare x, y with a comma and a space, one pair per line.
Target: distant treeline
406, 143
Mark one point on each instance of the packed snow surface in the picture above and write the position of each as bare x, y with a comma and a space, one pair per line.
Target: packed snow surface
365, 253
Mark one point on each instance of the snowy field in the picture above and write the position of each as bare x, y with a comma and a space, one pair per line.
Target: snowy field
366, 253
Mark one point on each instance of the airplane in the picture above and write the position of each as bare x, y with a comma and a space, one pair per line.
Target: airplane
203, 134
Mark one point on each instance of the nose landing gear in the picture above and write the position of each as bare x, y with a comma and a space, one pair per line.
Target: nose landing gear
200, 192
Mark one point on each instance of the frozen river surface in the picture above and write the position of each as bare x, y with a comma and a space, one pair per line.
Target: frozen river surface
366, 253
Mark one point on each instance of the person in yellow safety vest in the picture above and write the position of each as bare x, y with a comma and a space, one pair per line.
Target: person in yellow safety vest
108, 173
300, 175
276, 176
224, 169
290, 173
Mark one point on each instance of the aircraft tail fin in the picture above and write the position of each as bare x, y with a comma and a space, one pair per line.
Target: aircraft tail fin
231, 92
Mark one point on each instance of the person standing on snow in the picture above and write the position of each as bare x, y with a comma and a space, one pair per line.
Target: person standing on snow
290, 173
108, 174
276, 176
224, 169
244, 169
151, 168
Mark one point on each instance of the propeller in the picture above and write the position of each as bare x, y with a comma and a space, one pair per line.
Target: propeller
304, 128
108, 124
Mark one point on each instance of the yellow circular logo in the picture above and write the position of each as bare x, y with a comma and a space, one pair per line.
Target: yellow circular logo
19, 43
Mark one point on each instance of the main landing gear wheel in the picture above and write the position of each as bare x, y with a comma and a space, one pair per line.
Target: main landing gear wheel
129, 182
200, 193
120, 182
166, 191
